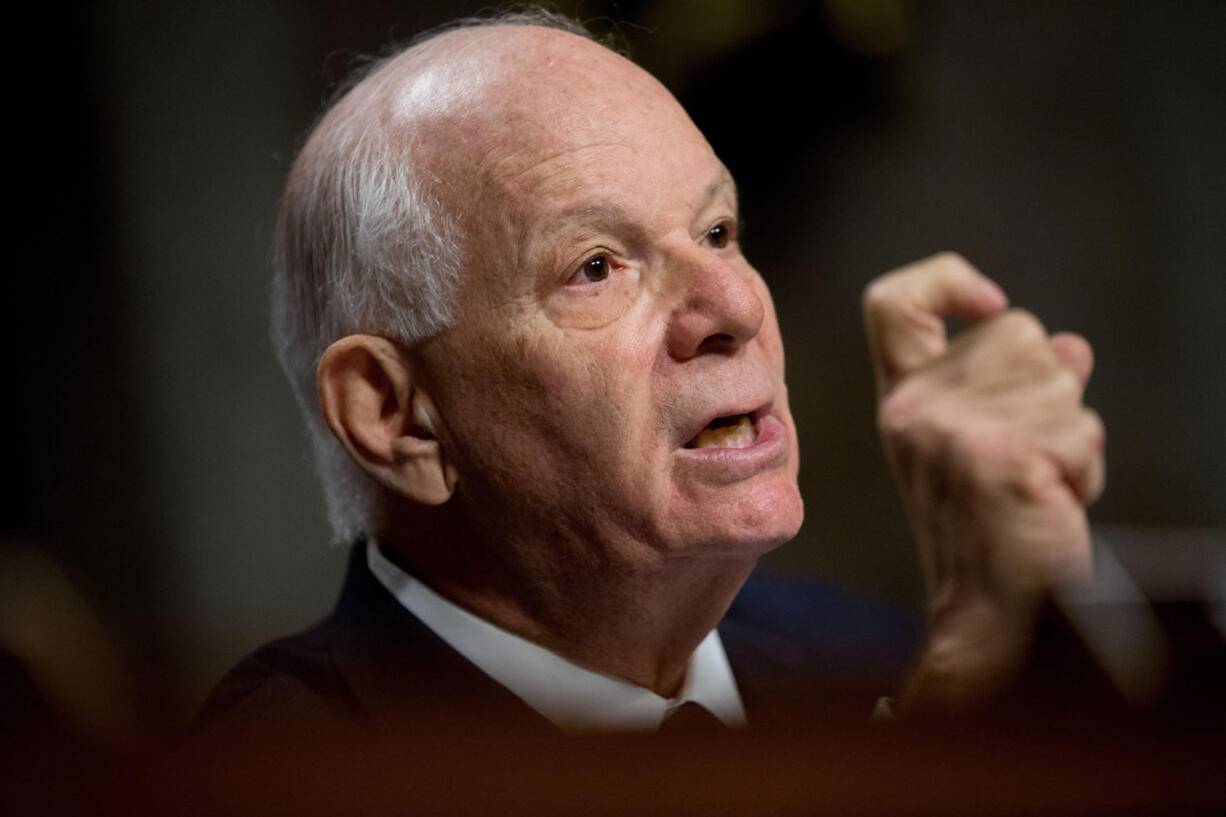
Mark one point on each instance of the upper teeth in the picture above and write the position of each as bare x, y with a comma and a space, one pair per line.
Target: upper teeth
736, 435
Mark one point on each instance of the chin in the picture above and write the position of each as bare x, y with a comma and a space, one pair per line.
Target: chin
748, 527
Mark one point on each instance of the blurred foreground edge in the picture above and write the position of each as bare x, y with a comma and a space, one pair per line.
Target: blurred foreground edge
996, 766
1121, 711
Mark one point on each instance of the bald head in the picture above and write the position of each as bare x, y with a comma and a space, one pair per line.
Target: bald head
473, 106
442, 206
364, 240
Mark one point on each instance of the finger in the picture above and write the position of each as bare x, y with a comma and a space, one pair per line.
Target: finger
1074, 353
1078, 448
1008, 348
903, 312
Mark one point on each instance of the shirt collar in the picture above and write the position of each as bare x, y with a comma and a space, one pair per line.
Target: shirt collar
573, 697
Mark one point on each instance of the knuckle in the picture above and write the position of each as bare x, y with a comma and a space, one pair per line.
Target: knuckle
1022, 327
895, 417
889, 421
1095, 431
992, 457
913, 424
951, 260
1033, 476
1066, 387
980, 448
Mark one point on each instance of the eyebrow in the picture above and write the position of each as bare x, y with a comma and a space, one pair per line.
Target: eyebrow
716, 187
592, 211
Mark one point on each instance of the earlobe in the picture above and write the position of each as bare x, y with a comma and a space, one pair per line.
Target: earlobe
375, 407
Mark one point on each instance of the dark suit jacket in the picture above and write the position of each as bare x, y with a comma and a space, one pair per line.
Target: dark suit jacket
797, 650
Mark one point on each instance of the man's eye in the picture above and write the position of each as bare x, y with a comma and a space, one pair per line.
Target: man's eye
718, 236
596, 269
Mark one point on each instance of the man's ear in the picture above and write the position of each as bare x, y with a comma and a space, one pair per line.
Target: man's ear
383, 418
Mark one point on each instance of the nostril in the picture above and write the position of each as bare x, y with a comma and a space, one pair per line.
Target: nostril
717, 341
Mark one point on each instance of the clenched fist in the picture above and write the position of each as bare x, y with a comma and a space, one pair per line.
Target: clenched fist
996, 458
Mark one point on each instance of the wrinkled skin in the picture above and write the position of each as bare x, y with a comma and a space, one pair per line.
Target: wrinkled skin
996, 458
606, 315
568, 400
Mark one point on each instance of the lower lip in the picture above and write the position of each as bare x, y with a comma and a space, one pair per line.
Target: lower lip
722, 464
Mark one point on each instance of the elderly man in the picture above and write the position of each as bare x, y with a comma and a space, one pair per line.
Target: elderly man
547, 392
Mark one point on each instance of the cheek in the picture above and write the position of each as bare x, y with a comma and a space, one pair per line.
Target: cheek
609, 367
548, 367
586, 392
546, 414
594, 412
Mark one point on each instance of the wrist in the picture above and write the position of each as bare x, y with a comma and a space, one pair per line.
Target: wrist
974, 655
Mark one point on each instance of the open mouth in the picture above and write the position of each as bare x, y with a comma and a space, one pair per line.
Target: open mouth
733, 431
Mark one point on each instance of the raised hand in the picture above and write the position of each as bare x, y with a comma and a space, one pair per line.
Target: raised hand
996, 458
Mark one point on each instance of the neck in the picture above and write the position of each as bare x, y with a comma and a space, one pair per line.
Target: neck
640, 622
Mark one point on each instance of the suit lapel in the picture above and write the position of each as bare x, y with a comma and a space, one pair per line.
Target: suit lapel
404, 677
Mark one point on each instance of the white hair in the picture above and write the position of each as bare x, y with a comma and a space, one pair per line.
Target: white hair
363, 245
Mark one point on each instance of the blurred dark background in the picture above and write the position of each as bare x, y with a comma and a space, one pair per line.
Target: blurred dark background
1076, 152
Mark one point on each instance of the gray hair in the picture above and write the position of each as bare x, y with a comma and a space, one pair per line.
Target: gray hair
363, 246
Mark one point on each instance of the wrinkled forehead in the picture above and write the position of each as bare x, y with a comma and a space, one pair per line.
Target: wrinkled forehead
487, 104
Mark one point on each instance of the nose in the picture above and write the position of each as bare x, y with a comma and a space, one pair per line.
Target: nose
720, 308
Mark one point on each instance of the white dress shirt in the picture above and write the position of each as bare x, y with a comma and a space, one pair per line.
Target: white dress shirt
574, 698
